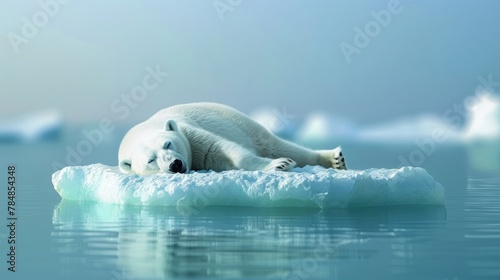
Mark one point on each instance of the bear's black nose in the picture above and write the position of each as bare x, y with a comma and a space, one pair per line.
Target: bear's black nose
176, 166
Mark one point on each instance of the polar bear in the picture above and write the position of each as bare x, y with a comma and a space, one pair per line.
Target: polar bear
210, 136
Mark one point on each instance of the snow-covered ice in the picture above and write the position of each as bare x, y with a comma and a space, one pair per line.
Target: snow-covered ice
311, 186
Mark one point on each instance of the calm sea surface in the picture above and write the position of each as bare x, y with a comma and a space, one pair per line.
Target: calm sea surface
69, 240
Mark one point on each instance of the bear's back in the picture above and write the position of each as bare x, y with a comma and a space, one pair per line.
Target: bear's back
218, 119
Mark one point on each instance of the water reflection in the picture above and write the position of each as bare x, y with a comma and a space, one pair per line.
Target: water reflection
158, 243
484, 155
482, 227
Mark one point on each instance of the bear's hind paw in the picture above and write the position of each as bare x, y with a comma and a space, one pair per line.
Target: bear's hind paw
338, 160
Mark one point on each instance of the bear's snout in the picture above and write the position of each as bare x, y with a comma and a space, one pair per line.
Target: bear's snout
176, 167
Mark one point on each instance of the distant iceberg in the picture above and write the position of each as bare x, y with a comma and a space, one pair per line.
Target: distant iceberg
409, 129
323, 128
31, 127
484, 122
304, 187
279, 122
482, 134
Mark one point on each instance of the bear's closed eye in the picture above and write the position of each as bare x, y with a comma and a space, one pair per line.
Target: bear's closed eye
151, 160
166, 145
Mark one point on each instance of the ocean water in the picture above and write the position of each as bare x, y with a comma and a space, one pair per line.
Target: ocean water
70, 240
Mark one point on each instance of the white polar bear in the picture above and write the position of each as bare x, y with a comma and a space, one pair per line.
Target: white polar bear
209, 136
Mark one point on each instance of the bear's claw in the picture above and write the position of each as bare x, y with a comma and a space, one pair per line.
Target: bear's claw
281, 164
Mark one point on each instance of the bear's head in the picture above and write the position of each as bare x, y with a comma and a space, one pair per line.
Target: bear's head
152, 150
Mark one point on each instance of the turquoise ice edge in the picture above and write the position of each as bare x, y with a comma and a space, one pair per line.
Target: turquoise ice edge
310, 186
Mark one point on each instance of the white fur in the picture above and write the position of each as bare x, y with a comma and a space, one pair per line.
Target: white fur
209, 136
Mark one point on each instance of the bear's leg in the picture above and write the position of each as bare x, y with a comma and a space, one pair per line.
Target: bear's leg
226, 155
247, 160
274, 147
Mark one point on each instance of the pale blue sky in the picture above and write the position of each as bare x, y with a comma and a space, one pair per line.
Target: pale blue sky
275, 53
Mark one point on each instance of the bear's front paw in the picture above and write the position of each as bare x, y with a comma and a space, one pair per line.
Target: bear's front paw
281, 164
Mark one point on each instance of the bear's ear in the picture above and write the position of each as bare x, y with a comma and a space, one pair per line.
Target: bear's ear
171, 125
126, 165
